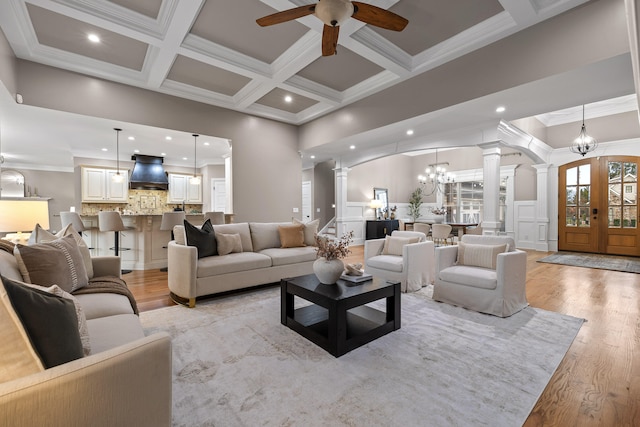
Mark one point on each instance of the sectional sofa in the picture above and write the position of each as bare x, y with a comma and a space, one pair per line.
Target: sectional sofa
261, 258
125, 380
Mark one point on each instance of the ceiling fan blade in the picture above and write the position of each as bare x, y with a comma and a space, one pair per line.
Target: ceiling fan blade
286, 15
329, 40
377, 16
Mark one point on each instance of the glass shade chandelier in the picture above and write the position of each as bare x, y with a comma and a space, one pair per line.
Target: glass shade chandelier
195, 179
117, 177
583, 143
436, 177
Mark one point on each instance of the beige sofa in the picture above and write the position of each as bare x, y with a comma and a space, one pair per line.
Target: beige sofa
261, 261
125, 381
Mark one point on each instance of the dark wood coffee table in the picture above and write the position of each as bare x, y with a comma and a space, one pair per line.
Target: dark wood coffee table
338, 319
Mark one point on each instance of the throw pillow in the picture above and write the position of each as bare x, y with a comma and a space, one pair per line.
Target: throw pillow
40, 235
53, 263
291, 236
202, 238
50, 322
83, 329
479, 255
228, 243
19, 359
310, 230
393, 245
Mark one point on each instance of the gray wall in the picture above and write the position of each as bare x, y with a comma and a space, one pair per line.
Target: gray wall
56, 185
391, 173
324, 191
266, 164
8, 66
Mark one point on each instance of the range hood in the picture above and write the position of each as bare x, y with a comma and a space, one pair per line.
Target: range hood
148, 173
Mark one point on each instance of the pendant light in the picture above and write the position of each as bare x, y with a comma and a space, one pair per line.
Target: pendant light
583, 143
117, 177
195, 179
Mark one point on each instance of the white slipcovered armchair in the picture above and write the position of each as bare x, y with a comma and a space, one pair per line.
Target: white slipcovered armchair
411, 264
487, 278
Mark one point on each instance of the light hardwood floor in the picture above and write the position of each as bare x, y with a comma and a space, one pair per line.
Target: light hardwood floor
597, 383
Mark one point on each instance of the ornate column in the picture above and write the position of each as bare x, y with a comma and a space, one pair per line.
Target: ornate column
491, 191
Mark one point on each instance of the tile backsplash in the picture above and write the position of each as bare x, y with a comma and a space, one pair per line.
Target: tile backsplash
141, 202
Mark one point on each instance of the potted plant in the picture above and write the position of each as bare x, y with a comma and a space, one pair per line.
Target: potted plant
415, 201
329, 266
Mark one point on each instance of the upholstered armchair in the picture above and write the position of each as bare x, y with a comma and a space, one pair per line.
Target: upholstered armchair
482, 273
405, 256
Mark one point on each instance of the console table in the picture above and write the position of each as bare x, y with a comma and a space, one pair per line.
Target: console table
377, 229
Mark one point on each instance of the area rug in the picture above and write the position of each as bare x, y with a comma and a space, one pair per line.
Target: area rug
234, 364
604, 262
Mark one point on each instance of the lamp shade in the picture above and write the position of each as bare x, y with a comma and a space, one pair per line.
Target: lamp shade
23, 215
376, 204
170, 219
110, 221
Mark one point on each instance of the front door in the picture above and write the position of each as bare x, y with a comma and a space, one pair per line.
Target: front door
598, 206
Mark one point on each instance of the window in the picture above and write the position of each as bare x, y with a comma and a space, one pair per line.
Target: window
464, 202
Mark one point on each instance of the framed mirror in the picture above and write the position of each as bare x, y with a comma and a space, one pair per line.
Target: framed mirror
11, 184
382, 195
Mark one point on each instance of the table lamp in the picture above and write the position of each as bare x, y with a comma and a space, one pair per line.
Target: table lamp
17, 216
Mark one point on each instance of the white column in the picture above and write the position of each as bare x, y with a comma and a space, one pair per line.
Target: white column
341, 199
491, 190
228, 183
543, 194
508, 173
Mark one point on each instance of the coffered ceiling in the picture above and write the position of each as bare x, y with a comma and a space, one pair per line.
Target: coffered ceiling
212, 51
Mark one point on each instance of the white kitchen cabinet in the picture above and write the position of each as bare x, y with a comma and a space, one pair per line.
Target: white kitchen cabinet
98, 186
181, 189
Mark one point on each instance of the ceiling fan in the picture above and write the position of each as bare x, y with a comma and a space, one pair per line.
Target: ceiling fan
333, 13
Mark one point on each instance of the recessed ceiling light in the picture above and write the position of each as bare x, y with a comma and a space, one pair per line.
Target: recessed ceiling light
163, 154
313, 157
184, 158
288, 98
168, 138
93, 38
136, 151
500, 109
353, 147
206, 143
410, 132
104, 149
132, 138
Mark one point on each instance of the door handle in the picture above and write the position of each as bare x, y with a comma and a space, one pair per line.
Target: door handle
595, 211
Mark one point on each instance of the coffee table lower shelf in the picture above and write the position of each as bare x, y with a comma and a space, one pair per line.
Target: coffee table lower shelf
350, 325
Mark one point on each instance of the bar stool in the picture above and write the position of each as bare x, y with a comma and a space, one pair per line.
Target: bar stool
215, 217
169, 220
112, 221
74, 219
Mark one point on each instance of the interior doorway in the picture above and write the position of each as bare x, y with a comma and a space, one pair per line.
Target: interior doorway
598, 206
219, 195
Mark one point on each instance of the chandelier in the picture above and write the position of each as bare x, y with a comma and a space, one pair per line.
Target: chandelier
583, 143
436, 177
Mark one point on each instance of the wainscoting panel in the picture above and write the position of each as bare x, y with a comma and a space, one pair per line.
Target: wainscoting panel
527, 232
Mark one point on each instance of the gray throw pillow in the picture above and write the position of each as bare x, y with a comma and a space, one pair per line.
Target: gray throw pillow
49, 320
53, 263
202, 238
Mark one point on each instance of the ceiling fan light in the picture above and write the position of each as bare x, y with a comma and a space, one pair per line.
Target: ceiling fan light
334, 13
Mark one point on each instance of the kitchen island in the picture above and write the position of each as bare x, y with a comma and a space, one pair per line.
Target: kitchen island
142, 245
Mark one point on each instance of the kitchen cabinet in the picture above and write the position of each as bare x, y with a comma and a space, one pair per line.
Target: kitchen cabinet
182, 190
98, 186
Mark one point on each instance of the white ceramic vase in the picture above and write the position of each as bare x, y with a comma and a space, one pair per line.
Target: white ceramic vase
328, 272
